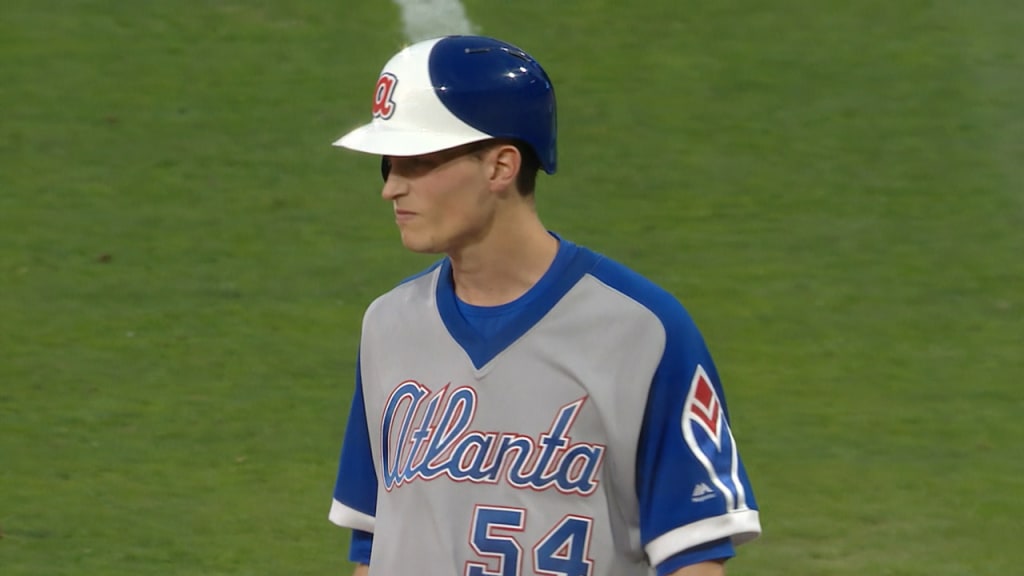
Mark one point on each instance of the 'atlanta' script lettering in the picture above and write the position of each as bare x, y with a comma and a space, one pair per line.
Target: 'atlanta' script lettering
425, 436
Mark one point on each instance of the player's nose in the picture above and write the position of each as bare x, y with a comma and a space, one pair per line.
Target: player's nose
394, 186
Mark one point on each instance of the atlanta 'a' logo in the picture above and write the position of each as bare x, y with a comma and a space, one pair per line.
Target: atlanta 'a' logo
383, 97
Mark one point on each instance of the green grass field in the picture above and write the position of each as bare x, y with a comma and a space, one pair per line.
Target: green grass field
834, 189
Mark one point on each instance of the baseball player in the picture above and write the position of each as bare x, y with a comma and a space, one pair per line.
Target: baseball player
525, 406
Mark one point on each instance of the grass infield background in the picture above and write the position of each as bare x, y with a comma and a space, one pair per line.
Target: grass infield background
834, 189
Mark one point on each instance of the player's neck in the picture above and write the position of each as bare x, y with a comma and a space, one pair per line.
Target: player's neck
514, 255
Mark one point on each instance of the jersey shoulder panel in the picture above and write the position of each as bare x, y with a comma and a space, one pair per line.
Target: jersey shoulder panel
660, 302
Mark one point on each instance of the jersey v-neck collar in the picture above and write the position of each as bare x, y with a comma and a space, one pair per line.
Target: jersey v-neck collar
570, 264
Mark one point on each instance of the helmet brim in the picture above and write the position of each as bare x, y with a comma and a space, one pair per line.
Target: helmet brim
374, 139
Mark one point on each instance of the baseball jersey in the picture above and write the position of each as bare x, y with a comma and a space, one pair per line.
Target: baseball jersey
588, 436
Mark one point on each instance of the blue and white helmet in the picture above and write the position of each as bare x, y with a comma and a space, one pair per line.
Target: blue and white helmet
446, 92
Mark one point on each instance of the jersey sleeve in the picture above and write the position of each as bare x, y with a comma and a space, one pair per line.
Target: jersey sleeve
692, 487
355, 491
360, 547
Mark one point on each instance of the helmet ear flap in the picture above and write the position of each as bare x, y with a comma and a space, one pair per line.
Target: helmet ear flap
385, 167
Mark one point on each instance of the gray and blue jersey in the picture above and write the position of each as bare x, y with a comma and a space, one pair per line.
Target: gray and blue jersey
586, 435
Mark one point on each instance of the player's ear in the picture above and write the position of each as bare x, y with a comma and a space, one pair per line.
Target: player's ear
504, 164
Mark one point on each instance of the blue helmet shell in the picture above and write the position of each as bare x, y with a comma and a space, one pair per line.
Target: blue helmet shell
499, 89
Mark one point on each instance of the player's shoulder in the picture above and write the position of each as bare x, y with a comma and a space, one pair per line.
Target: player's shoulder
411, 289
640, 289
421, 274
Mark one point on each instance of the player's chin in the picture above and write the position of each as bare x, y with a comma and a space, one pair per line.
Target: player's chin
417, 243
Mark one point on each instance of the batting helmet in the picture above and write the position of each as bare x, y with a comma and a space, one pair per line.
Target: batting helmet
446, 92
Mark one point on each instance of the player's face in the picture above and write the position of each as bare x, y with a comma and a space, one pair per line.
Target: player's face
441, 201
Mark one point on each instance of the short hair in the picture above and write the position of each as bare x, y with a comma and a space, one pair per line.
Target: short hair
526, 181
